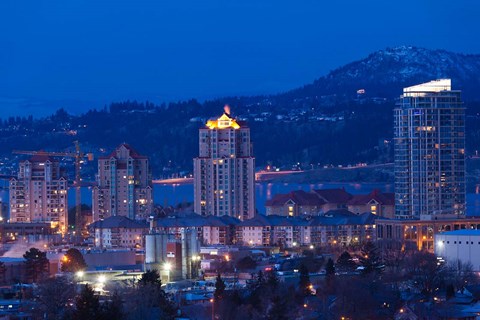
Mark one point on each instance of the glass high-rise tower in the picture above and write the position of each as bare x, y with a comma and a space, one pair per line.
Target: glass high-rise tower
429, 141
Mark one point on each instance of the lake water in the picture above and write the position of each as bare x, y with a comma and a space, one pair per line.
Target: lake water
174, 194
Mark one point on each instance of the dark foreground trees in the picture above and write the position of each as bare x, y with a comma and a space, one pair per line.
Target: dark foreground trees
73, 261
36, 264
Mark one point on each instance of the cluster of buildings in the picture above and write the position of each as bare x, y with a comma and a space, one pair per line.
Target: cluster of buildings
430, 195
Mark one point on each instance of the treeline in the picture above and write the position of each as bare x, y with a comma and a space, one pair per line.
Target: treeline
168, 133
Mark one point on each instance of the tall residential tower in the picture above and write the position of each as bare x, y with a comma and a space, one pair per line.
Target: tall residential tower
39, 193
430, 152
124, 186
225, 169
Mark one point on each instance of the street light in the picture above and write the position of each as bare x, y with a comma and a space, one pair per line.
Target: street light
167, 267
213, 308
102, 279
80, 274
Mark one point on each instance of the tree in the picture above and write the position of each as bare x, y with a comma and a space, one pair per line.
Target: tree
36, 264
246, 263
278, 309
87, 305
113, 309
151, 277
3, 271
305, 284
369, 258
73, 261
272, 280
219, 288
424, 269
330, 268
345, 263
54, 295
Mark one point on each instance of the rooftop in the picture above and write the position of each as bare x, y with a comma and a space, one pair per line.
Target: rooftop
463, 232
118, 222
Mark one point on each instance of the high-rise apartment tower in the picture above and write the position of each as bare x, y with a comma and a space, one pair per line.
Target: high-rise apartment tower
429, 142
124, 185
39, 193
225, 169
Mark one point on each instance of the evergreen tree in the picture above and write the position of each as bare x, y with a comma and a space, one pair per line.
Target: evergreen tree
151, 277
73, 261
330, 268
219, 288
370, 259
272, 280
113, 309
36, 264
305, 284
345, 263
87, 305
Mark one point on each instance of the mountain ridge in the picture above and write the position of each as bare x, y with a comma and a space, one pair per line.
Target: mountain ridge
385, 72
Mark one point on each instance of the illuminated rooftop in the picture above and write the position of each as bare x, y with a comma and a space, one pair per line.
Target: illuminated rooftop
224, 122
429, 87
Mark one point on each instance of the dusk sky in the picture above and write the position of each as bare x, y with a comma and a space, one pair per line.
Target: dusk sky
80, 54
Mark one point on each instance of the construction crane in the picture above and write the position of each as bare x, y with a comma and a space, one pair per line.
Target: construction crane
78, 155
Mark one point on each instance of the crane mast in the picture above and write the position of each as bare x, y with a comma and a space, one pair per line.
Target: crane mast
78, 155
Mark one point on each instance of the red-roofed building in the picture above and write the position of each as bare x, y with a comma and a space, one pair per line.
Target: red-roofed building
376, 202
334, 198
298, 203
295, 203
124, 185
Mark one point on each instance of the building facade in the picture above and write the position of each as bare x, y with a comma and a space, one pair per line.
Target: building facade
419, 234
459, 245
429, 139
118, 232
124, 186
224, 171
39, 193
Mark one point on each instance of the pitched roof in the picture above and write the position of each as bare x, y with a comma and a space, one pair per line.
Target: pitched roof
134, 154
273, 221
118, 222
343, 217
387, 199
338, 195
299, 197
195, 220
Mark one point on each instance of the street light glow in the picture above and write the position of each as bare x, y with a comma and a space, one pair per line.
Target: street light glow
167, 266
102, 279
80, 274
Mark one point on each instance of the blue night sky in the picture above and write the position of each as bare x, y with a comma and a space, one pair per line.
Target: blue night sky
80, 54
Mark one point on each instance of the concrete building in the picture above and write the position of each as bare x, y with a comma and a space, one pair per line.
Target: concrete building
429, 140
418, 233
459, 245
336, 227
210, 230
39, 193
118, 232
224, 171
124, 186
